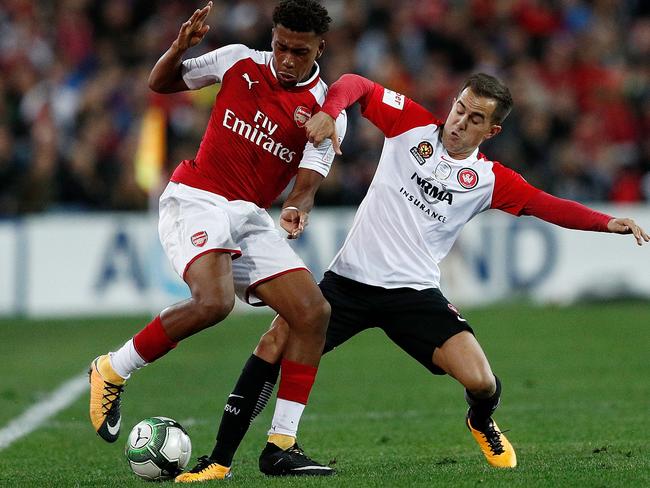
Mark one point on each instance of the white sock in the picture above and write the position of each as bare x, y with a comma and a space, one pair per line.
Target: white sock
126, 360
286, 417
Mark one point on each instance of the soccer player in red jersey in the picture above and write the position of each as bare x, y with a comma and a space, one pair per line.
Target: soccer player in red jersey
213, 223
430, 181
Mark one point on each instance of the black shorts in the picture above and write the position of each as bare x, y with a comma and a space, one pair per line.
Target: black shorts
417, 321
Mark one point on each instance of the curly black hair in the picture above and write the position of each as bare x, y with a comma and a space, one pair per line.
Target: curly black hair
302, 16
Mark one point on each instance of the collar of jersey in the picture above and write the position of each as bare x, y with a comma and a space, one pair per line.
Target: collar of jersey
472, 158
302, 84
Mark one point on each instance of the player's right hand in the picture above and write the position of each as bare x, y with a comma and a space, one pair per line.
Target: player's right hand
193, 30
320, 127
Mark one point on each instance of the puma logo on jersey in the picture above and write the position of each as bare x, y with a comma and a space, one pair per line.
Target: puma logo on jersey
249, 81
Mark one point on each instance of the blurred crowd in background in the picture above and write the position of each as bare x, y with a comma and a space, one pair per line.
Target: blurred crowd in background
73, 89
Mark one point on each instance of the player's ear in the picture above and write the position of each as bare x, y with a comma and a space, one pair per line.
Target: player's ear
321, 48
494, 130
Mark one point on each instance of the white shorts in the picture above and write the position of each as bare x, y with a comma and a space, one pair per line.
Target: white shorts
195, 222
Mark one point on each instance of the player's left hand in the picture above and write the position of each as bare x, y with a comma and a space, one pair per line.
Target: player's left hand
628, 226
293, 221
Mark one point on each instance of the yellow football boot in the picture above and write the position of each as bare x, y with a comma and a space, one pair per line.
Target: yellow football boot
105, 389
496, 448
205, 470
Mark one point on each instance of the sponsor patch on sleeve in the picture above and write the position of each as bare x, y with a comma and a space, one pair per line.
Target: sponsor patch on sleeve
394, 99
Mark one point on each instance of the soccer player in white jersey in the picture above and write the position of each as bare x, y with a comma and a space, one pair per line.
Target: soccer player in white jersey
430, 181
213, 224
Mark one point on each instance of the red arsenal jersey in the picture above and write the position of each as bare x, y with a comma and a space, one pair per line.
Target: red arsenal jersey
255, 140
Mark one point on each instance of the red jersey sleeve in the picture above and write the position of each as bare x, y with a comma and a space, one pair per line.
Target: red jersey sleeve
513, 194
345, 92
566, 213
391, 112
511, 191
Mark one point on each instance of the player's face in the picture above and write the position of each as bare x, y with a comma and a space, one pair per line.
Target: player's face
468, 124
294, 54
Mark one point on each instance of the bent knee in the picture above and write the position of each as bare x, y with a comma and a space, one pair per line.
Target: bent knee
310, 317
213, 310
482, 384
317, 316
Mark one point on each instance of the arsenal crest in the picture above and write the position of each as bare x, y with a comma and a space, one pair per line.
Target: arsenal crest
301, 115
468, 178
199, 239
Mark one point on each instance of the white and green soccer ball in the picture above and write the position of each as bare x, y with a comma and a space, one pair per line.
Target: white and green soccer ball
158, 449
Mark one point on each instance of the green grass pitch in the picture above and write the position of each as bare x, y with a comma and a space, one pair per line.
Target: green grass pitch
576, 402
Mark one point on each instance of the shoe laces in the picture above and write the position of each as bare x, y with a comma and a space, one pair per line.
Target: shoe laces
296, 449
493, 437
203, 462
111, 396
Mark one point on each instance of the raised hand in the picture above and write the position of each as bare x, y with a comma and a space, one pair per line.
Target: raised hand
628, 226
193, 30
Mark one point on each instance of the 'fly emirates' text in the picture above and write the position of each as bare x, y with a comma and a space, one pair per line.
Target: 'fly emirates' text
260, 134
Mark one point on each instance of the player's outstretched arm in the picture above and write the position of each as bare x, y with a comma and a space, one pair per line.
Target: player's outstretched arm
295, 211
166, 76
574, 215
628, 226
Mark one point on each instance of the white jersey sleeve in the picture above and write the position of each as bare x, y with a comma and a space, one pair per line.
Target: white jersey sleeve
320, 158
210, 68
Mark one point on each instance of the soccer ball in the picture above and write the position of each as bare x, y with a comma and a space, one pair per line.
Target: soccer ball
158, 449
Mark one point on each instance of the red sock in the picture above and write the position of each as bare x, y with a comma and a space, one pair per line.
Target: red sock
153, 342
296, 381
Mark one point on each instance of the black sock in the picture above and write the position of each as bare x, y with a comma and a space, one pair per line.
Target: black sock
481, 409
249, 397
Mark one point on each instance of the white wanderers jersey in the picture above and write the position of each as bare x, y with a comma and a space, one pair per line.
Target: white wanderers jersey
419, 199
